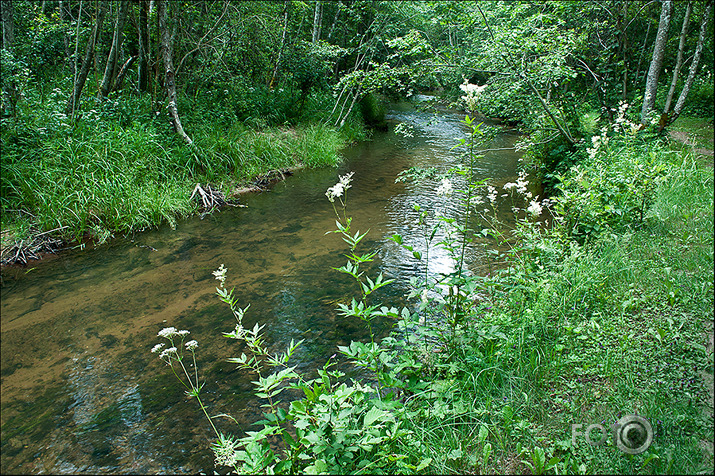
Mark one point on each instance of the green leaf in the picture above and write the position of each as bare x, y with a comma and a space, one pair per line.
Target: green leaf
371, 416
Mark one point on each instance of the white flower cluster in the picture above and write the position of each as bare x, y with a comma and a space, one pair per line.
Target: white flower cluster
622, 123
169, 333
220, 274
492, 194
520, 186
473, 92
597, 142
337, 190
534, 208
445, 188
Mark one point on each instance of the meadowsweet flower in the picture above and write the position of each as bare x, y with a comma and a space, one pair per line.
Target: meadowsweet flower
534, 208
445, 188
337, 190
157, 348
183, 332
473, 92
477, 200
191, 345
168, 332
509, 186
492, 195
220, 274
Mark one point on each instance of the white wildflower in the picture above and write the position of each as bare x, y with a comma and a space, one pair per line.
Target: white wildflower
509, 186
183, 332
166, 354
220, 274
445, 188
157, 348
492, 194
473, 91
534, 208
168, 332
191, 345
337, 190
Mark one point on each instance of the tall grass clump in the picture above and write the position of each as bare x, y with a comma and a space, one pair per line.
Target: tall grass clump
117, 166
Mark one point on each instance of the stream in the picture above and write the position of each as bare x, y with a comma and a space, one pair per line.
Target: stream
80, 390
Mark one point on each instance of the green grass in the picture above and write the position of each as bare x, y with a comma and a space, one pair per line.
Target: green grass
609, 328
116, 171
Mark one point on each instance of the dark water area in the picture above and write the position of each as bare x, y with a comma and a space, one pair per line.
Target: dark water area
80, 390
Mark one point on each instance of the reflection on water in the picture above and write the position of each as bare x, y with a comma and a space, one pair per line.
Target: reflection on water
81, 393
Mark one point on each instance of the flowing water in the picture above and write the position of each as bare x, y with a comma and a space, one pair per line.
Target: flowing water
80, 390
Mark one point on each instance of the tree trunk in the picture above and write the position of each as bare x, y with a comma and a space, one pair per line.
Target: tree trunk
9, 88
65, 39
166, 52
88, 60
693, 66
679, 60
123, 72
111, 70
335, 20
651, 85
280, 49
144, 45
317, 21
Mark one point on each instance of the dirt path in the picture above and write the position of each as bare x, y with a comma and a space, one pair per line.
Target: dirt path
683, 137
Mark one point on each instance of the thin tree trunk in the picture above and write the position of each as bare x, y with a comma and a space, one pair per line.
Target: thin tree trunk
280, 49
335, 20
317, 20
166, 52
144, 45
679, 60
693, 66
9, 88
88, 60
65, 39
111, 70
123, 72
651, 85
640, 58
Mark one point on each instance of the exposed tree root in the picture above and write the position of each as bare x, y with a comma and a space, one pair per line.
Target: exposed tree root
210, 198
31, 248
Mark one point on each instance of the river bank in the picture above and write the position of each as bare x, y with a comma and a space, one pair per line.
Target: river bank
132, 180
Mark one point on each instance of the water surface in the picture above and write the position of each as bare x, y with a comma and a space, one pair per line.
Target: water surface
80, 390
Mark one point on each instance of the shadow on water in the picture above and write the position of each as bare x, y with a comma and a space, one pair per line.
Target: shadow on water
81, 393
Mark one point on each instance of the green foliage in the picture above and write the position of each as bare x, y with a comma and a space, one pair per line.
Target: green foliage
611, 192
701, 97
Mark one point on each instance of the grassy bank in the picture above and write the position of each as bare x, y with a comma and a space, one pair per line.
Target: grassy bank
117, 169
606, 313
582, 334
